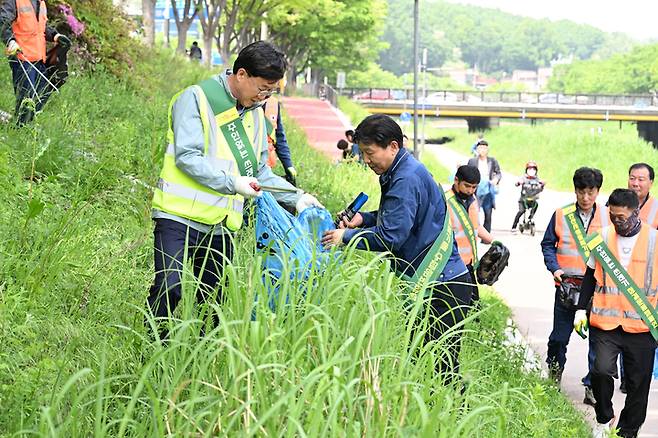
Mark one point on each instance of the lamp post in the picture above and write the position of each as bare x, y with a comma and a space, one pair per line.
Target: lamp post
424, 70
416, 65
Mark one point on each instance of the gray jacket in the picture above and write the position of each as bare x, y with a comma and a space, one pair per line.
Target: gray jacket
8, 16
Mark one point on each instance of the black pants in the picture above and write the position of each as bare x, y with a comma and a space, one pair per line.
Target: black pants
207, 252
638, 349
558, 340
532, 205
28, 85
449, 306
487, 218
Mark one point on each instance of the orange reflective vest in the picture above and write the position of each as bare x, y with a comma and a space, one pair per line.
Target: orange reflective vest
610, 308
272, 114
649, 212
30, 31
568, 258
463, 244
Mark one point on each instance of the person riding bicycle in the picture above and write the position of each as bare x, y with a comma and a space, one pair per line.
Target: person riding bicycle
531, 187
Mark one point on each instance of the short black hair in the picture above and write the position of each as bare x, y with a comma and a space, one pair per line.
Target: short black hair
640, 166
262, 60
587, 178
378, 129
349, 133
484, 142
342, 144
194, 43
624, 198
469, 174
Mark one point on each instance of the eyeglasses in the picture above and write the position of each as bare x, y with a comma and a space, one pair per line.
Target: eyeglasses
264, 93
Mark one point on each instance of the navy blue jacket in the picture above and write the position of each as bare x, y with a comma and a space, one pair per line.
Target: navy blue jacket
410, 217
281, 146
550, 240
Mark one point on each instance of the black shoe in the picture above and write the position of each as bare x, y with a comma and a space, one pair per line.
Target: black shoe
622, 387
555, 374
589, 396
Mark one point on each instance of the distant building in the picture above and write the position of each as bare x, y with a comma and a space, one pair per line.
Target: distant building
527, 78
543, 75
463, 76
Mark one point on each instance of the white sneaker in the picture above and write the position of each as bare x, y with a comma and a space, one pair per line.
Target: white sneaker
602, 430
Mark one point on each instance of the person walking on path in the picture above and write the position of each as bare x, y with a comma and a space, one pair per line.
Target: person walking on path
412, 223
640, 180
621, 281
216, 157
490, 178
464, 218
24, 30
565, 256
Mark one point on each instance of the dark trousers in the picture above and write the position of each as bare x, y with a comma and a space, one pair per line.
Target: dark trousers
638, 349
31, 90
487, 218
174, 241
532, 205
449, 306
559, 339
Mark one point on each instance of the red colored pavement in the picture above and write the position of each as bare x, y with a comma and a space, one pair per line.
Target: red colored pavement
321, 123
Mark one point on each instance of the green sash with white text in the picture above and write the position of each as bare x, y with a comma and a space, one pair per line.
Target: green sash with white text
624, 282
433, 262
230, 124
465, 221
577, 230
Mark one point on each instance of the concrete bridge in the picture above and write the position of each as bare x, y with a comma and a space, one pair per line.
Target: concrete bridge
483, 109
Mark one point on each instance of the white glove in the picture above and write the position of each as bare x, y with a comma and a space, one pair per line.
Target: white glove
12, 48
305, 201
580, 323
244, 185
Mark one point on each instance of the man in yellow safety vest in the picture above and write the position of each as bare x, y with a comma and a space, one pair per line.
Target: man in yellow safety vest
215, 158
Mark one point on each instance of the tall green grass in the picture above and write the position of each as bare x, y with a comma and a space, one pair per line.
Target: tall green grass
560, 147
76, 358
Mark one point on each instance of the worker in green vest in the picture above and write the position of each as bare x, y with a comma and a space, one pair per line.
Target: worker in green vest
215, 158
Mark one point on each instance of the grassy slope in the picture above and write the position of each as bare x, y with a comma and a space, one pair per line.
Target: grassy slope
75, 269
561, 147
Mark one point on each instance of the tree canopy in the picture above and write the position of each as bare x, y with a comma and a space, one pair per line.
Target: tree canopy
490, 39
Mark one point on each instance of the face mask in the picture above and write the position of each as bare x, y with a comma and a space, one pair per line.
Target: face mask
629, 227
531, 172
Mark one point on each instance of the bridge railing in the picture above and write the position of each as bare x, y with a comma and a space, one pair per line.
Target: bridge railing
474, 97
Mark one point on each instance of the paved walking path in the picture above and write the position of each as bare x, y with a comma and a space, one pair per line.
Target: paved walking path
324, 125
528, 289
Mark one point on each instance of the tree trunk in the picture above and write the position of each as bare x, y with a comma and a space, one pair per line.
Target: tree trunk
183, 27
148, 21
207, 50
291, 79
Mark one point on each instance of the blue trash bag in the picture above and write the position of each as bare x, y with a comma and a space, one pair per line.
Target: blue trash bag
293, 241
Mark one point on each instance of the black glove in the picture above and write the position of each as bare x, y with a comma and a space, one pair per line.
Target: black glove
63, 41
291, 176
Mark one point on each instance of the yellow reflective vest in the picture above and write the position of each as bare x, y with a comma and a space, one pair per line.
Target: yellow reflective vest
179, 194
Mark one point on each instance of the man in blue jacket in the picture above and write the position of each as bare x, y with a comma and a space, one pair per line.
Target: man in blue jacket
410, 218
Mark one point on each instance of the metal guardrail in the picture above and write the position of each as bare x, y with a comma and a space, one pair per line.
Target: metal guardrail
469, 96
